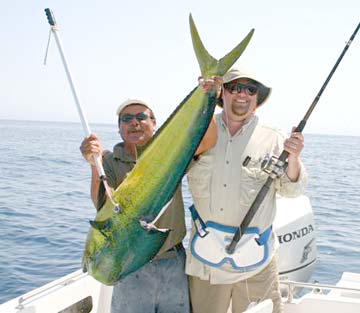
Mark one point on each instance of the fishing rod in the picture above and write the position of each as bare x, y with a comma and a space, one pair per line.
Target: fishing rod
85, 124
279, 167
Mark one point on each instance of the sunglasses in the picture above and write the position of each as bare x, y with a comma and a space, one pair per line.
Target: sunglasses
126, 118
249, 89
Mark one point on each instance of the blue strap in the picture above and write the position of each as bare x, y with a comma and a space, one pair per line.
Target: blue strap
202, 231
199, 223
263, 237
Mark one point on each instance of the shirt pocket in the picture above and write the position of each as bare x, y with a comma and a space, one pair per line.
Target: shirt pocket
199, 177
251, 180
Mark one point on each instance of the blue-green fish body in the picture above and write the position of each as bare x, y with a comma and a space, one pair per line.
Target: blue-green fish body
117, 244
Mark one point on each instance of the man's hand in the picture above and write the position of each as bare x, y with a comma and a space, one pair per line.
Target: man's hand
294, 145
212, 83
91, 148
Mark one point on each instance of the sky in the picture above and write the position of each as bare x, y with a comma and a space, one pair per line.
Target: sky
120, 49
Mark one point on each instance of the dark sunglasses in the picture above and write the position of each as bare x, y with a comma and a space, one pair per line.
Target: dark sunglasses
249, 89
126, 118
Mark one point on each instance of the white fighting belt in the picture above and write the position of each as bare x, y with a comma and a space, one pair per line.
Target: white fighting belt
210, 248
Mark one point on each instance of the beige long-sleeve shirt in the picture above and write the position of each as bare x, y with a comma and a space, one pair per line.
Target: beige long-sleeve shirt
223, 189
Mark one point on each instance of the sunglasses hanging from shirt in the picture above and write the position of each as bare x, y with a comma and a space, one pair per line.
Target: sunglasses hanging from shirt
278, 168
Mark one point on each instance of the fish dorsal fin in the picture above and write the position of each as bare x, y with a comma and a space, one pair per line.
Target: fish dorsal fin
209, 65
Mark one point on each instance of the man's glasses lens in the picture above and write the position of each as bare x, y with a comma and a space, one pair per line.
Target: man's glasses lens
126, 118
237, 88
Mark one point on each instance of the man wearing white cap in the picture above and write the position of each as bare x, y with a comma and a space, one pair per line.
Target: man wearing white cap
160, 285
224, 182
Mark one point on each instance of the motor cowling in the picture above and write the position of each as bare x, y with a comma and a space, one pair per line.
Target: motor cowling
295, 229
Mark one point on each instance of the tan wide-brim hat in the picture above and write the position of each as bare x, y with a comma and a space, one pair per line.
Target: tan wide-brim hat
128, 102
237, 73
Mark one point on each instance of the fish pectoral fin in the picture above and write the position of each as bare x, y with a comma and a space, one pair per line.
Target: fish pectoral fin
151, 226
102, 226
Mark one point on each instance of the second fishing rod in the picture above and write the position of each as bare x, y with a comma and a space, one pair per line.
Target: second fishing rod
279, 167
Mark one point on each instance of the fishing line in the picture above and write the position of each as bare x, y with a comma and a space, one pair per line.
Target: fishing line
47, 47
98, 162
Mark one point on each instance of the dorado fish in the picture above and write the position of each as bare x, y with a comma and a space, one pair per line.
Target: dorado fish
117, 244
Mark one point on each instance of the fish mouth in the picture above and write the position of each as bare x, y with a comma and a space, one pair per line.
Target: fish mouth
85, 264
99, 271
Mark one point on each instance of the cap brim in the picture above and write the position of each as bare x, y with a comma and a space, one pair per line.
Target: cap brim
128, 102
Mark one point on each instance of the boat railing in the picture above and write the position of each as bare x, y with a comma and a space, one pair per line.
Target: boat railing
59, 283
316, 288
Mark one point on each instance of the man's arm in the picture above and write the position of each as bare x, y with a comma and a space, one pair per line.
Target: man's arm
95, 185
90, 148
209, 139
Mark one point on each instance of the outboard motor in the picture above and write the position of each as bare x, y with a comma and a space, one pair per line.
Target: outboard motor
294, 225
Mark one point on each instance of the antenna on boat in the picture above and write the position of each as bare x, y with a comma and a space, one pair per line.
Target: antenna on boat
98, 162
278, 168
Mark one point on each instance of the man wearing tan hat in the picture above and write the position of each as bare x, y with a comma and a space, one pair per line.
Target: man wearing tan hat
224, 182
160, 285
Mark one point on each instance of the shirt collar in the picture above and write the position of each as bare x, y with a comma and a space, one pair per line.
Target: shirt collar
224, 127
121, 153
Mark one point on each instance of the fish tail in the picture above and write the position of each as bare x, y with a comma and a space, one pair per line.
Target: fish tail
209, 65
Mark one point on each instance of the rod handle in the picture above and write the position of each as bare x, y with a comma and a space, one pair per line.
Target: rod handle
50, 16
301, 126
99, 167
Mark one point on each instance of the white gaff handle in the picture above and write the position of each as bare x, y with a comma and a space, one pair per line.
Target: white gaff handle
84, 122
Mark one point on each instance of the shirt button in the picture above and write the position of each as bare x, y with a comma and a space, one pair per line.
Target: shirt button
225, 185
221, 209
227, 162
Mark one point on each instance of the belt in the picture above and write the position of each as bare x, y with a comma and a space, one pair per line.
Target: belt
170, 253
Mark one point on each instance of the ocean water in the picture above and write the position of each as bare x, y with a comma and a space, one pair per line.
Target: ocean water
45, 204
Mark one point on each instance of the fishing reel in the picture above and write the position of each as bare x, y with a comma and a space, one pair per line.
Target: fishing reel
273, 166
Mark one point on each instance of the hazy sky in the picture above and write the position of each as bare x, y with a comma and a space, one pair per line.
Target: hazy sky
142, 49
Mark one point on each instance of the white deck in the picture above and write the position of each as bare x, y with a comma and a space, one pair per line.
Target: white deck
63, 293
